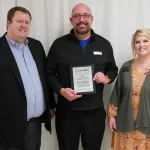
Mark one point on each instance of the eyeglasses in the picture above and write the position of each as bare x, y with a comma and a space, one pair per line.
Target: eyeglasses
78, 16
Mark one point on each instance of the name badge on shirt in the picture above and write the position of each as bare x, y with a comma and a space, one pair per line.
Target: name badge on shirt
97, 53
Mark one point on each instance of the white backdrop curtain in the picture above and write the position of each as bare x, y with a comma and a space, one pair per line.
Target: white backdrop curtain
114, 19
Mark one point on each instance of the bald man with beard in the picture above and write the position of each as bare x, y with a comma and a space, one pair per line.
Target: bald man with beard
80, 114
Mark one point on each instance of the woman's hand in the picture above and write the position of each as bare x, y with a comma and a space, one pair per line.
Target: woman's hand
112, 123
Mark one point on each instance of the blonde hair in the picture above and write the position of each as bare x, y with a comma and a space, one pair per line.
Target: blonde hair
144, 32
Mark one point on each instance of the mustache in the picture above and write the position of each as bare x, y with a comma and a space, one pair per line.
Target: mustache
85, 23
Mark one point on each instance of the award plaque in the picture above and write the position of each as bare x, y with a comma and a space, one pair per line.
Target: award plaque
82, 79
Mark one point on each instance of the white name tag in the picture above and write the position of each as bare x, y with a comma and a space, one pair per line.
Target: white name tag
97, 53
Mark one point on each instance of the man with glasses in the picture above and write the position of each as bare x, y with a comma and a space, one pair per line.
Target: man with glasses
80, 113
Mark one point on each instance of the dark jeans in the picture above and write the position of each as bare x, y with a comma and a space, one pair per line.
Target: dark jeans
70, 125
32, 139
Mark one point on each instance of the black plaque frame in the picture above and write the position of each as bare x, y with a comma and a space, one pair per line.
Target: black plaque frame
72, 79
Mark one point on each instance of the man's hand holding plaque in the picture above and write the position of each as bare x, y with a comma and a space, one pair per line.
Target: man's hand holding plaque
69, 94
99, 77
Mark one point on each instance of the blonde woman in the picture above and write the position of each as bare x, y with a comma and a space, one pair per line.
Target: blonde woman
129, 106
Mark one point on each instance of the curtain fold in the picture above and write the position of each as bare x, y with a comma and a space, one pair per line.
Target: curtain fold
5, 5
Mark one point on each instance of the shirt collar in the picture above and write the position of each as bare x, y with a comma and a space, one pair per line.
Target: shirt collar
13, 43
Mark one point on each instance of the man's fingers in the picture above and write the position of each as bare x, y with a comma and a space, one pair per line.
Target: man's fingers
99, 77
74, 97
69, 94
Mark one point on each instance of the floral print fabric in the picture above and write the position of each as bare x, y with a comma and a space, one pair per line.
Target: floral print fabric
134, 140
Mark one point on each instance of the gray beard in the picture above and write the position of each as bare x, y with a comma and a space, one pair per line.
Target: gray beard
82, 32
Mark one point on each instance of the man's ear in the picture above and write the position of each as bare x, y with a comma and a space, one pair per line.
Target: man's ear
92, 18
7, 23
71, 20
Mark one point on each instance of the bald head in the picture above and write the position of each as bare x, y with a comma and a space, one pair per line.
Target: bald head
79, 8
81, 19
